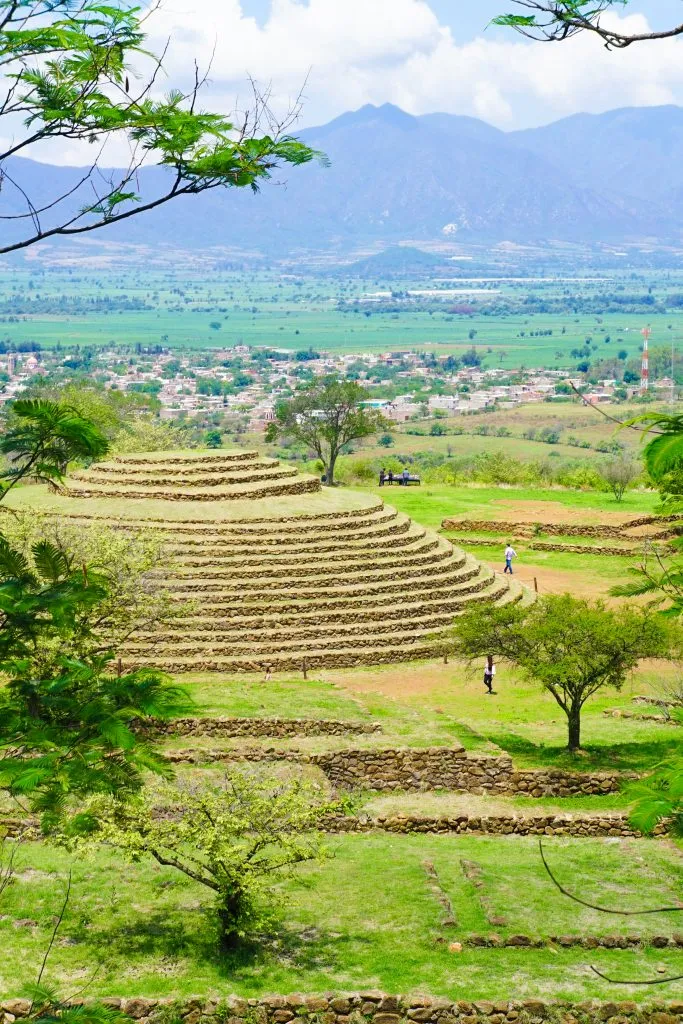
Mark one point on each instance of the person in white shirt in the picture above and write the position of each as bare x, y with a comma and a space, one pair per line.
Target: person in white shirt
489, 673
510, 553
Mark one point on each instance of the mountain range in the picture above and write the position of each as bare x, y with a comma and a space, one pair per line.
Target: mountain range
615, 177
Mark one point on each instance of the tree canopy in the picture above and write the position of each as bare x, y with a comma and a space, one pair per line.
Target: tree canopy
571, 646
71, 70
326, 416
557, 20
42, 438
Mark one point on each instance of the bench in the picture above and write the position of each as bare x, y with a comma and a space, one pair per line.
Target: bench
400, 480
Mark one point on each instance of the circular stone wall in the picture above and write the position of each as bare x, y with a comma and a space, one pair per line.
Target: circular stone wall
271, 571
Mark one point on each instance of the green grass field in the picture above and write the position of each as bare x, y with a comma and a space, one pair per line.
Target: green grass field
270, 309
146, 930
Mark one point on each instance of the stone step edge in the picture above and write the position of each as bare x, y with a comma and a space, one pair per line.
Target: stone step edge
380, 1007
576, 825
208, 455
280, 490
235, 727
170, 526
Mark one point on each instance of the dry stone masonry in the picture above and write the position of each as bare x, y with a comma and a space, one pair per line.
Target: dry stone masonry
275, 728
274, 590
416, 770
374, 1007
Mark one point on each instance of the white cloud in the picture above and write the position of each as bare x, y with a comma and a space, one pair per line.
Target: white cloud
374, 51
377, 51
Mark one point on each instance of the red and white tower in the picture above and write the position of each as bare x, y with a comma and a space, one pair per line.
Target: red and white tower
645, 371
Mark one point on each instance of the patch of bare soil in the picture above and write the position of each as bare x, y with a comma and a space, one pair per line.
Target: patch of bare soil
555, 512
402, 680
558, 581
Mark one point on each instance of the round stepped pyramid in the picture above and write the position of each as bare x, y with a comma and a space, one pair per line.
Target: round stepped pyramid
268, 569
190, 476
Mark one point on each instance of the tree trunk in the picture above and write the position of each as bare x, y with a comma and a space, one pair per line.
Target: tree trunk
229, 911
330, 470
574, 722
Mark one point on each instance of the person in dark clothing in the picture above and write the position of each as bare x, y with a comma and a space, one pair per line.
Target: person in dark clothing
382, 477
391, 476
489, 673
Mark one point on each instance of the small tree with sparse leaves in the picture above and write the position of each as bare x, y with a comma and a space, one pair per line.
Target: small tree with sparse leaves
235, 839
573, 647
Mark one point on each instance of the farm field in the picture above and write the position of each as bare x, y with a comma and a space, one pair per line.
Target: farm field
294, 312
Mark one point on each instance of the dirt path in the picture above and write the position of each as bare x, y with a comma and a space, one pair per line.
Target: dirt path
558, 581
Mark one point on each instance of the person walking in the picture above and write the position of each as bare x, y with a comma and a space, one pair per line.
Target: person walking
382, 477
390, 478
489, 673
406, 477
510, 553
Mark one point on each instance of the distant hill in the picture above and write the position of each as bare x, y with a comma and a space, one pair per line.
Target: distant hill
397, 259
614, 177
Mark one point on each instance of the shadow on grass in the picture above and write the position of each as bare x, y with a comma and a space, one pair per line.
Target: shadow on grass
636, 757
194, 937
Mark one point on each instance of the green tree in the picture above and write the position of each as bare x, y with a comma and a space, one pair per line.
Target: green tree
42, 438
64, 730
213, 439
556, 20
235, 839
386, 441
571, 646
326, 416
68, 72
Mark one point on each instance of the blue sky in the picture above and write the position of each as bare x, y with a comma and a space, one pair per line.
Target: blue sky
468, 18
422, 55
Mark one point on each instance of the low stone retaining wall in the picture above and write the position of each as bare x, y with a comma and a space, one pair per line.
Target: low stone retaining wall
664, 719
541, 545
493, 824
415, 770
583, 941
578, 826
267, 491
376, 1007
522, 529
273, 727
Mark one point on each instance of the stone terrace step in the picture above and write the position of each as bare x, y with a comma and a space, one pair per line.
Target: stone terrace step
200, 478
293, 614
452, 571
236, 492
188, 470
191, 458
271, 565
413, 540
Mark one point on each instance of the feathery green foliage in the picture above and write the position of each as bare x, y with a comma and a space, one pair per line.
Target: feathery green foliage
68, 736
68, 71
659, 797
42, 438
557, 20
232, 839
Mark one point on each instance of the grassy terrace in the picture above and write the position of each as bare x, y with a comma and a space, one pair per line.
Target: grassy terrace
431, 704
149, 931
40, 499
